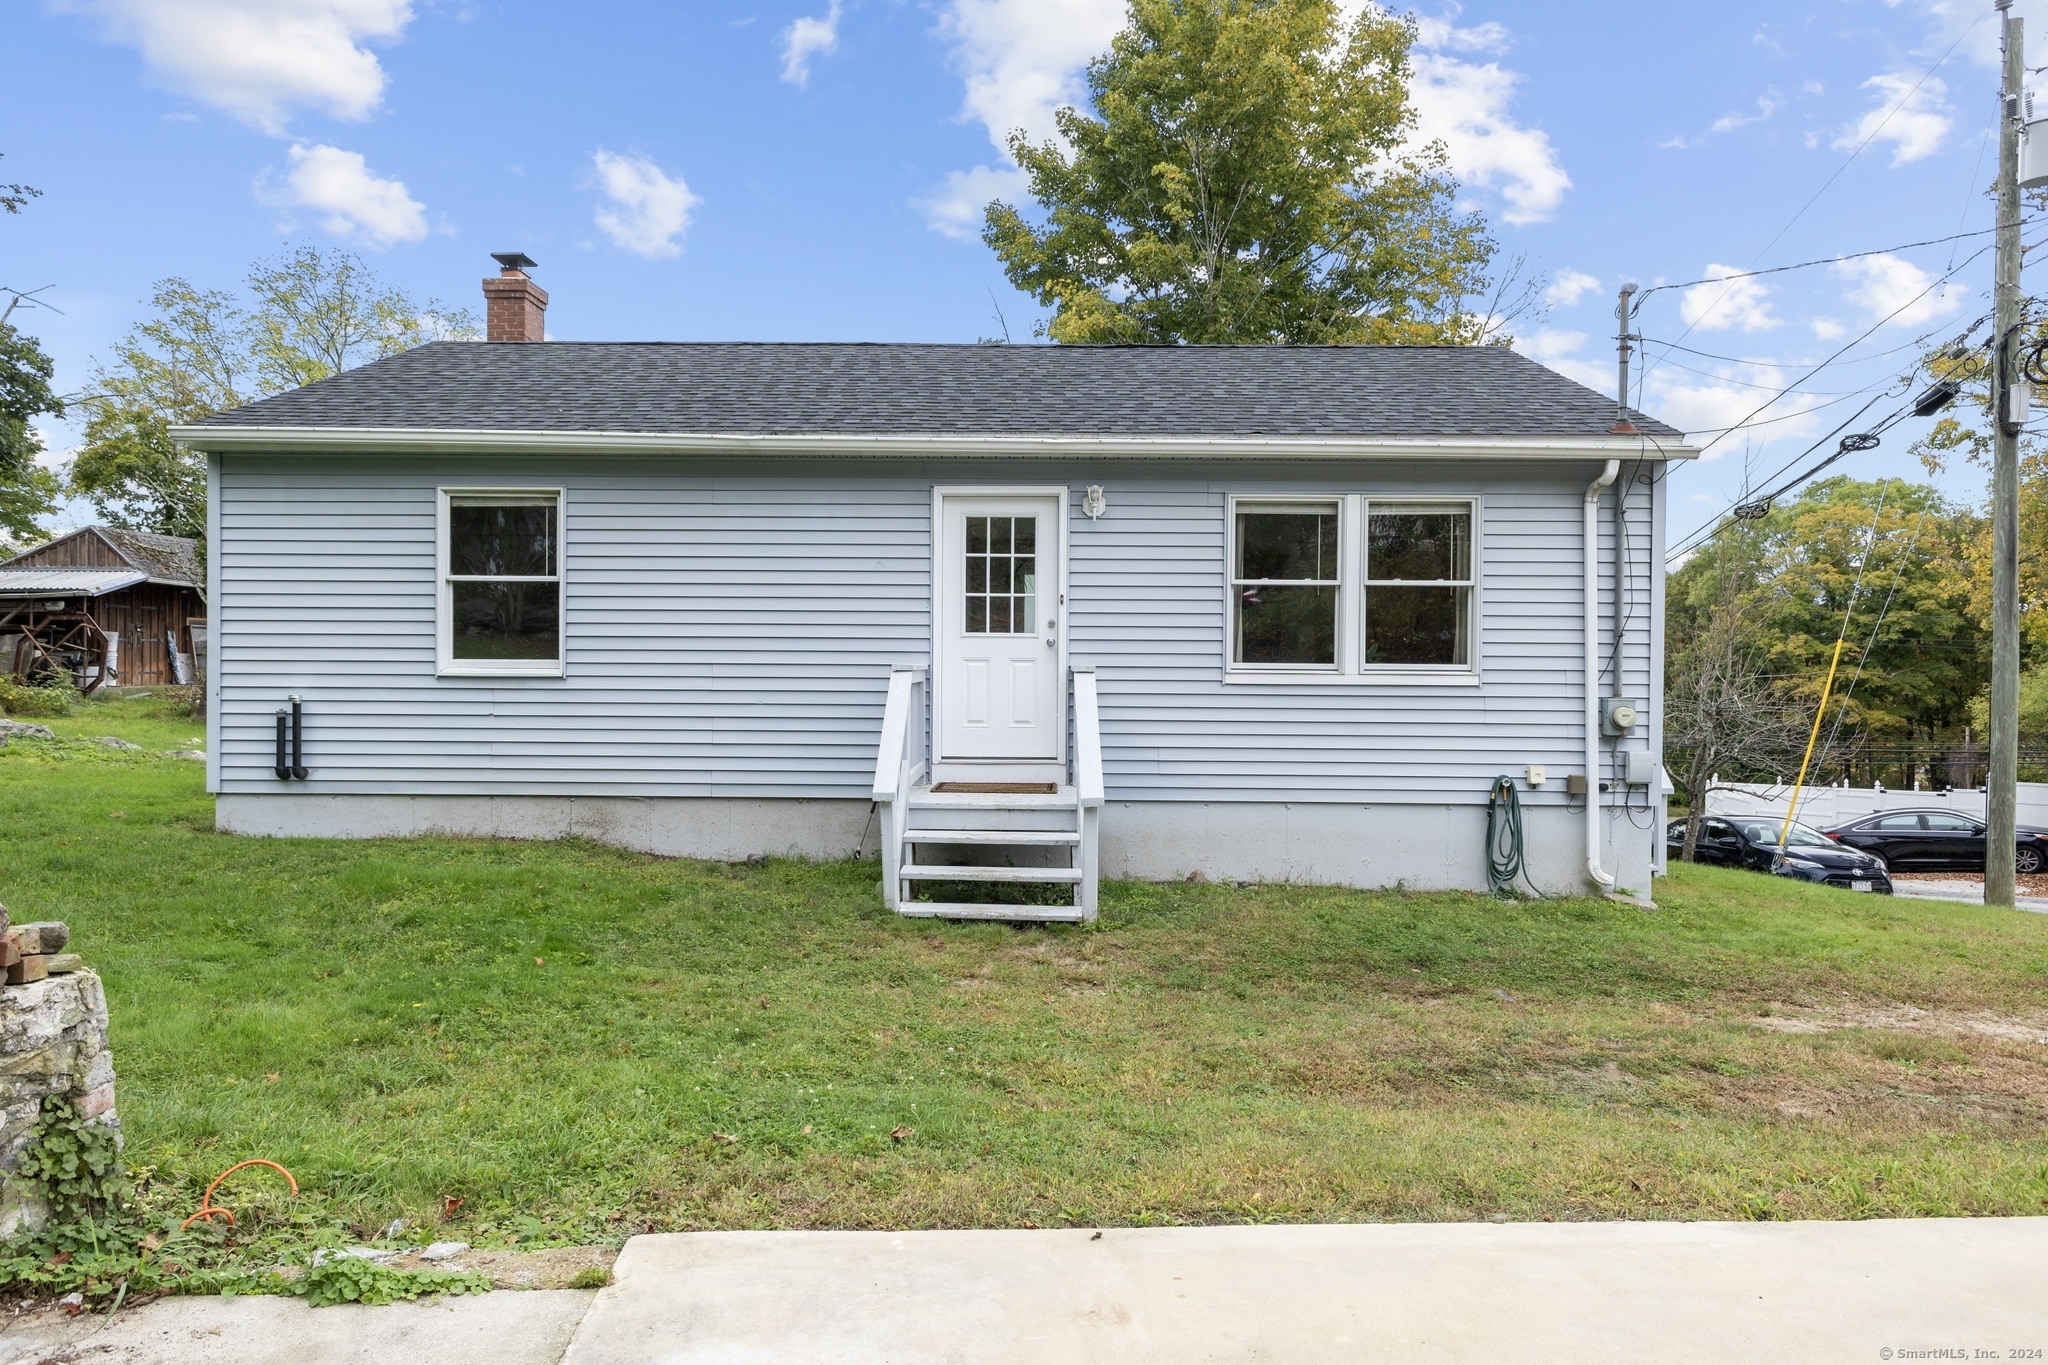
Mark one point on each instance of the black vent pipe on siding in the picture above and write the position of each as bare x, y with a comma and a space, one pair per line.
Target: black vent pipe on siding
298, 739
284, 767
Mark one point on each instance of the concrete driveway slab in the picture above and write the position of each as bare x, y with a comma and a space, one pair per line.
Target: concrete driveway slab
1669, 1292
503, 1328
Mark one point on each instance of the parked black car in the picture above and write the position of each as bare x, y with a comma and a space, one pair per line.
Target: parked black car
1752, 842
1911, 840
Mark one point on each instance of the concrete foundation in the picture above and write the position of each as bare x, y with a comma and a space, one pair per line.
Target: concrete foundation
1423, 847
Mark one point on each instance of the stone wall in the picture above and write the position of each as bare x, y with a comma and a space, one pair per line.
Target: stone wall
53, 1041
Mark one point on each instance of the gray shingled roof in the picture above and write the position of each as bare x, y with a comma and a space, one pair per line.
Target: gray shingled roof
781, 388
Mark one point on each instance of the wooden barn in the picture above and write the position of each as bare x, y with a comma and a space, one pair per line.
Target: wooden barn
103, 606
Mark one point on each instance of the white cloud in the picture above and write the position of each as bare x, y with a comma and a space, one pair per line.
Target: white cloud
1466, 107
1568, 288
1444, 35
355, 203
1827, 329
955, 207
1766, 105
1022, 59
1915, 120
1703, 406
1743, 303
1884, 284
1560, 350
260, 59
646, 210
805, 39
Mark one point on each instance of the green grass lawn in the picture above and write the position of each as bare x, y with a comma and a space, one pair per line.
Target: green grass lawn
605, 1041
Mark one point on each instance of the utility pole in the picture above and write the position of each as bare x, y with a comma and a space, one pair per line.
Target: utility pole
2007, 418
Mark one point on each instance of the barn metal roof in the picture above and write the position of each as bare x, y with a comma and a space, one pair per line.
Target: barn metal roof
67, 582
769, 389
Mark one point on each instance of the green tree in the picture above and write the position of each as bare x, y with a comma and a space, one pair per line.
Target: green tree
1245, 177
309, 315
28, 491
1792, 574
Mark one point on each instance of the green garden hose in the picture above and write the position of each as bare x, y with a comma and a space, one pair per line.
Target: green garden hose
1504, 849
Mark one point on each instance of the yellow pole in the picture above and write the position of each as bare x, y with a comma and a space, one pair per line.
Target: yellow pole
1826, 688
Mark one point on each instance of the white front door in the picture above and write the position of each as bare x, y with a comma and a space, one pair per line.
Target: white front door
998, 617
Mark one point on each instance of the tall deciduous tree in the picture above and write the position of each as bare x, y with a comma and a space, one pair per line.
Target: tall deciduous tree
1915, 642
1245, 176
309, 315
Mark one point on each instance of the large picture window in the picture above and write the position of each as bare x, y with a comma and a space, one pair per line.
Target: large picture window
1286, 586
501, 585
1352, 587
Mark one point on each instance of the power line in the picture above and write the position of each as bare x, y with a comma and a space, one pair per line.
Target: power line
1866, 335
1824, 260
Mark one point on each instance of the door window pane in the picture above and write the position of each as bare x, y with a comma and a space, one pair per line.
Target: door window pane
1001, 583
1407, 622
1285, 586
1953, 824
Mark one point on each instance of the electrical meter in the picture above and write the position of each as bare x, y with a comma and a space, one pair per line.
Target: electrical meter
1619, 717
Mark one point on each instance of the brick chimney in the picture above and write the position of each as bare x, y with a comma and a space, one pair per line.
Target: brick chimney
515, 308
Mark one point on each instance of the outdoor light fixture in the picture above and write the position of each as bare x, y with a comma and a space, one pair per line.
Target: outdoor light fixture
1093, 503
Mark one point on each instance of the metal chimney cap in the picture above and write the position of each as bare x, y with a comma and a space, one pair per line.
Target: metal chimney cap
515, 260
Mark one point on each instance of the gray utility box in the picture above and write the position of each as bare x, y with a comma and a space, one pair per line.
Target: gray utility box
1639, 767
1619, 716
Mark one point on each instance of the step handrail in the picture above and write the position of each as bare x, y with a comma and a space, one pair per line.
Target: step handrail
900, 761
1088, 795
1087, 739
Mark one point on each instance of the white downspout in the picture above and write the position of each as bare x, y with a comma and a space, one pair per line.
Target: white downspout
1592, 538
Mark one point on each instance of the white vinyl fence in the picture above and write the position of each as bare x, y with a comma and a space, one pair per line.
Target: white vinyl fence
1826, 807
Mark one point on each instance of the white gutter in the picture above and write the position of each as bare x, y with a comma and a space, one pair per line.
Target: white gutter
286, 440
1592, 539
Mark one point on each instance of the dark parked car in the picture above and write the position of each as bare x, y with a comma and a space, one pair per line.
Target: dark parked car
1913, 840
1752, 841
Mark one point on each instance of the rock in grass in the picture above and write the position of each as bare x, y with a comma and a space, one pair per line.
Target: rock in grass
61, 963
195, 755
441, 1251
44, 936
25, 730
323, 1255
113, 743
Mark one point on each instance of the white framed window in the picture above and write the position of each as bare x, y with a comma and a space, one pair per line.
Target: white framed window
1352, 588
499, 553
1417, 604
1286, 585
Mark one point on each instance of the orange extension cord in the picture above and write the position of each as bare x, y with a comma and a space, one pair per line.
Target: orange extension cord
207, 1208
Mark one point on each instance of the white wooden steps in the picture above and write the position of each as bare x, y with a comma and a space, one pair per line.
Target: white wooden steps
985, 834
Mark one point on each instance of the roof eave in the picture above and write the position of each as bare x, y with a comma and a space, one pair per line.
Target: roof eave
282, 440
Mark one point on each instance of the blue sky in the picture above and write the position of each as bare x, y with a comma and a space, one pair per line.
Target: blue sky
812, 169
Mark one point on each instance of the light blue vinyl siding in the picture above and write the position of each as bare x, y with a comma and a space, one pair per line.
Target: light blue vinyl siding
729, 628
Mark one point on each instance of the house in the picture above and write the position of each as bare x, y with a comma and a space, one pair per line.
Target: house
103, 605
1019, 613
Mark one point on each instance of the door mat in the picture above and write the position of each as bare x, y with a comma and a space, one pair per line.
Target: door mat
1000, 788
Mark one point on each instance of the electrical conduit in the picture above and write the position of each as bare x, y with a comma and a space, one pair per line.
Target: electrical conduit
1592, 538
